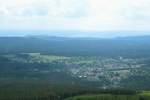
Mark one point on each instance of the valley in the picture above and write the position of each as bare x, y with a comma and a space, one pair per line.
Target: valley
103, 71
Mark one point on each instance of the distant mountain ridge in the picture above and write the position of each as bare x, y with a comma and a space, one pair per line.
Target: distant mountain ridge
122, 46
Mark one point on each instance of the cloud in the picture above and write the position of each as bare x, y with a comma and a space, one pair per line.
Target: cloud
83, 15
51, 8
136, 9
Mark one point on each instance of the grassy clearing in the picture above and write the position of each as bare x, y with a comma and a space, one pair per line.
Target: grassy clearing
104, 97
145, 93
141, 96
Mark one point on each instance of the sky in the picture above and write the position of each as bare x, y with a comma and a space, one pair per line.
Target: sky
75, 15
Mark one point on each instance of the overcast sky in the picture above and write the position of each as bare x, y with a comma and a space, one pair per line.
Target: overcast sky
75, 15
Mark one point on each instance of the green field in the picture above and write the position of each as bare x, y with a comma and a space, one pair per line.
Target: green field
142, 96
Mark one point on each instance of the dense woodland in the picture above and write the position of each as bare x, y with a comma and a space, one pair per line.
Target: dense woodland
56, 68
127, 47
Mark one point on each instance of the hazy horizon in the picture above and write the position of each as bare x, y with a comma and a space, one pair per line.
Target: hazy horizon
112, 34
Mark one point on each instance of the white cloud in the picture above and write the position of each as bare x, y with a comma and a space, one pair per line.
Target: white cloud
136, 9
84, 15
51, 8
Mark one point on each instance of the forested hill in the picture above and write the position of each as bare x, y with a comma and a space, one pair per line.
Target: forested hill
128, 46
